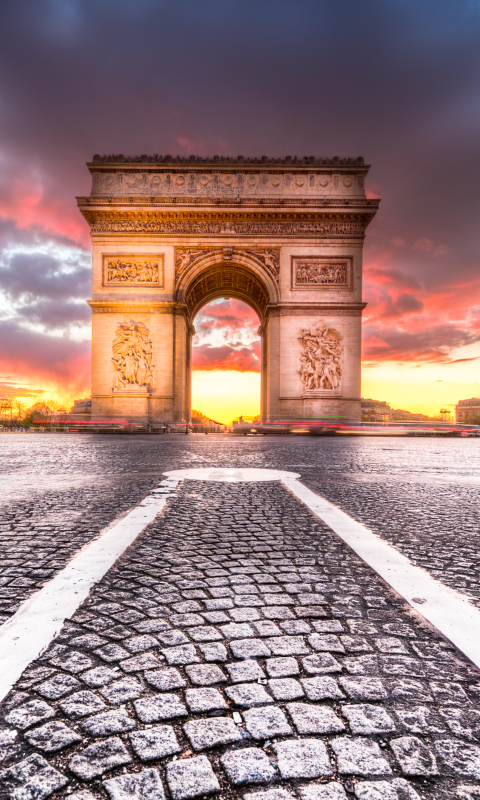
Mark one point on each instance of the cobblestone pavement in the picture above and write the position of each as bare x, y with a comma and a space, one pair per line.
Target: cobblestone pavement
420, 495
56, 497
240, 649
59, 491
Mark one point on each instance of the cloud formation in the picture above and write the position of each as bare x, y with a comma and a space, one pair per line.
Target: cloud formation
38, 357
227, 337
395, 82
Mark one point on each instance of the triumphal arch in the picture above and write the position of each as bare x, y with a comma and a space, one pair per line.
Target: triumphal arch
170, 234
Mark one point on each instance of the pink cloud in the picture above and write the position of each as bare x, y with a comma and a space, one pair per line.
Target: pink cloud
39, 358
243, 359
190, 145
227, 337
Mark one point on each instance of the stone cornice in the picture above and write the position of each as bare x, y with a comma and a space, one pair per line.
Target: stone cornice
316, 309
265, 162
137, 203
336, 222
132, 306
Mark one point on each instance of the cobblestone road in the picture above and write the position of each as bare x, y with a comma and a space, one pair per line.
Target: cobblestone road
56, 496
59, 491
240, 649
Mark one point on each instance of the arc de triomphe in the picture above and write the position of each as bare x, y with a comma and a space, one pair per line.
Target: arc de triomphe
171, 234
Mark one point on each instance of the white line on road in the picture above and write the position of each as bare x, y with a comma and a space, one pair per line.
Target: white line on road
27, 634
40, 618
450, 612
235, 475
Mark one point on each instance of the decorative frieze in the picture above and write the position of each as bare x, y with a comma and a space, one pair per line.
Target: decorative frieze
239, 226
120, 270
246, 178
132, 357
313, 272
320, 359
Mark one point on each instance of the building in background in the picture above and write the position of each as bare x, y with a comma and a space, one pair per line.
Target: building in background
400, 415
380, 411
376, 411
468, 411
83, 406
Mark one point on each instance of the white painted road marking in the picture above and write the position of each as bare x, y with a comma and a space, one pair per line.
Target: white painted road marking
40, 618
237, 475
29, 632
450, 612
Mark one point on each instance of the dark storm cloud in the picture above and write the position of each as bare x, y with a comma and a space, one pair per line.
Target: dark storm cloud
37, 275
42, 288
12, 236
52, 314
395, 81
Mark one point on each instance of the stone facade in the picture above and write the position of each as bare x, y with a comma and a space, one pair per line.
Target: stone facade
468, 410
169, 235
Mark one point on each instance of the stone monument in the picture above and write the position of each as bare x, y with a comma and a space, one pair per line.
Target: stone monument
171, 234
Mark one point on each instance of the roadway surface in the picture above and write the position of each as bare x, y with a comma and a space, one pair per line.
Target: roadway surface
239, 646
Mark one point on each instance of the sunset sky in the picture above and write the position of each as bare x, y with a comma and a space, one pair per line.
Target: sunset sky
397, 81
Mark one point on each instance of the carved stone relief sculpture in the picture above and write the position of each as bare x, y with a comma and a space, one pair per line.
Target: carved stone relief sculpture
269, 258
137, 269
321, 272
321, 358
132, 356
184, 257
241, 227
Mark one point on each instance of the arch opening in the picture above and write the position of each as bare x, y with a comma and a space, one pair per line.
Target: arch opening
215, 279
226, 280
226, 360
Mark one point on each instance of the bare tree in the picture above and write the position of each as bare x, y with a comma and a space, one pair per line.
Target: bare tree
6, 410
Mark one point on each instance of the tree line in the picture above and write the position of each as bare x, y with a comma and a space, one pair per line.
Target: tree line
17, 413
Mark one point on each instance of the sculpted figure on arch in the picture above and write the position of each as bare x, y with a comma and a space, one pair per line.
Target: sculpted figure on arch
320, 359
132, 356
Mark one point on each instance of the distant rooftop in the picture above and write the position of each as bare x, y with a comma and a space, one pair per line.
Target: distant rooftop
288, 161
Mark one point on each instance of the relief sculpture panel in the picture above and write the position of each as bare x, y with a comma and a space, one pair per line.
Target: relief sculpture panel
184, 258
132, 357
269, 258
318, 272
227, 227
320, 359
121, 270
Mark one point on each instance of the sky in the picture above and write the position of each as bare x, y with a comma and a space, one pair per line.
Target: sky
396, 81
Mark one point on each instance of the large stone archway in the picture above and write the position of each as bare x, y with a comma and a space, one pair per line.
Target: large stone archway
217, 273
283, 235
